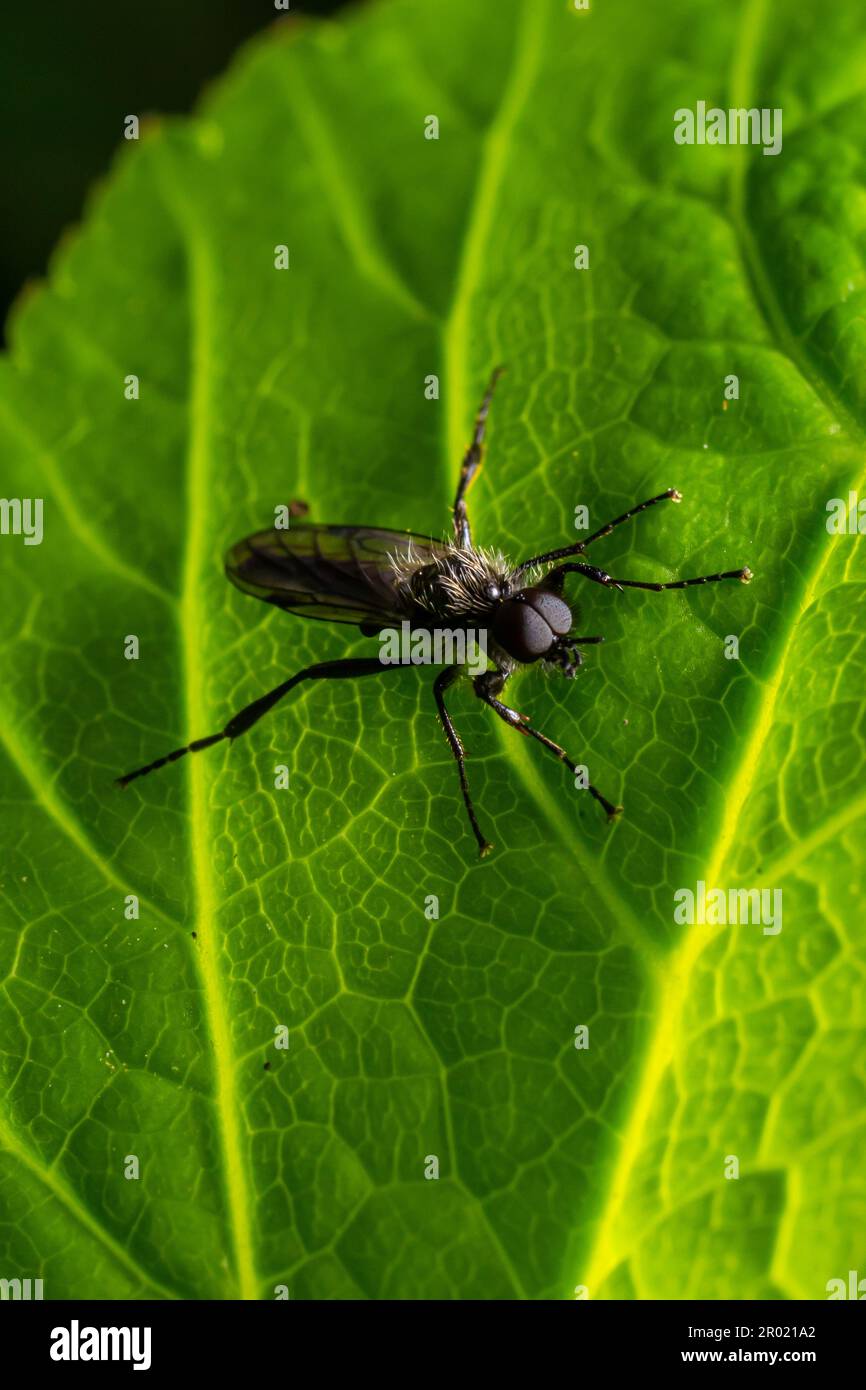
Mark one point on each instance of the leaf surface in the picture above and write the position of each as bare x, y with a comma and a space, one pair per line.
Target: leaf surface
411, 1037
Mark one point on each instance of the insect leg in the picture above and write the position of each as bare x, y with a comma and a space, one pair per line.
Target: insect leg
487, 687
670, 496
470, 466
250, 714
579, 546
600, 577
440, 685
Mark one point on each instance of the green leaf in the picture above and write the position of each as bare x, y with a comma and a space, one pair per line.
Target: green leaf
411, 1037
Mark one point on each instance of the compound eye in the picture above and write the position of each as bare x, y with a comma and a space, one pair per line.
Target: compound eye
554, 610
521, 631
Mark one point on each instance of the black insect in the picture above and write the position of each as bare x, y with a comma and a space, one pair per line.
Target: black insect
373, 578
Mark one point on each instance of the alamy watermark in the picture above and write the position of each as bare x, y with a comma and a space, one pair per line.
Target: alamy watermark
15, 1289
77, 1343
22, 516
720, 907
441, 646
736, 126
846, 518
854, 1287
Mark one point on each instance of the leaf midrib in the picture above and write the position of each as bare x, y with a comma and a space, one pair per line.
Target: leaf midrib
193, 620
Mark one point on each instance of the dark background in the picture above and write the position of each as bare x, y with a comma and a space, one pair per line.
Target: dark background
70, 73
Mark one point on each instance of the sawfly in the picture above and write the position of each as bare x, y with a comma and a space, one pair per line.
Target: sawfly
372, 578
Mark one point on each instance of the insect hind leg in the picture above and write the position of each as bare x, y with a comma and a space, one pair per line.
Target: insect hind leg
487, 687
346, 669
471, 464
440, 685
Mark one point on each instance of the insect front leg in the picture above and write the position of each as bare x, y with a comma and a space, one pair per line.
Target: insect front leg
488, 686
440, 685
470, 466
671, 495
346, 669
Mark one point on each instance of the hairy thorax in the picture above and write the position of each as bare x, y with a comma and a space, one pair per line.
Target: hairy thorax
458, 586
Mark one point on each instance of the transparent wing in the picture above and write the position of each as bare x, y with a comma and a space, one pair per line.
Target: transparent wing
340, 574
